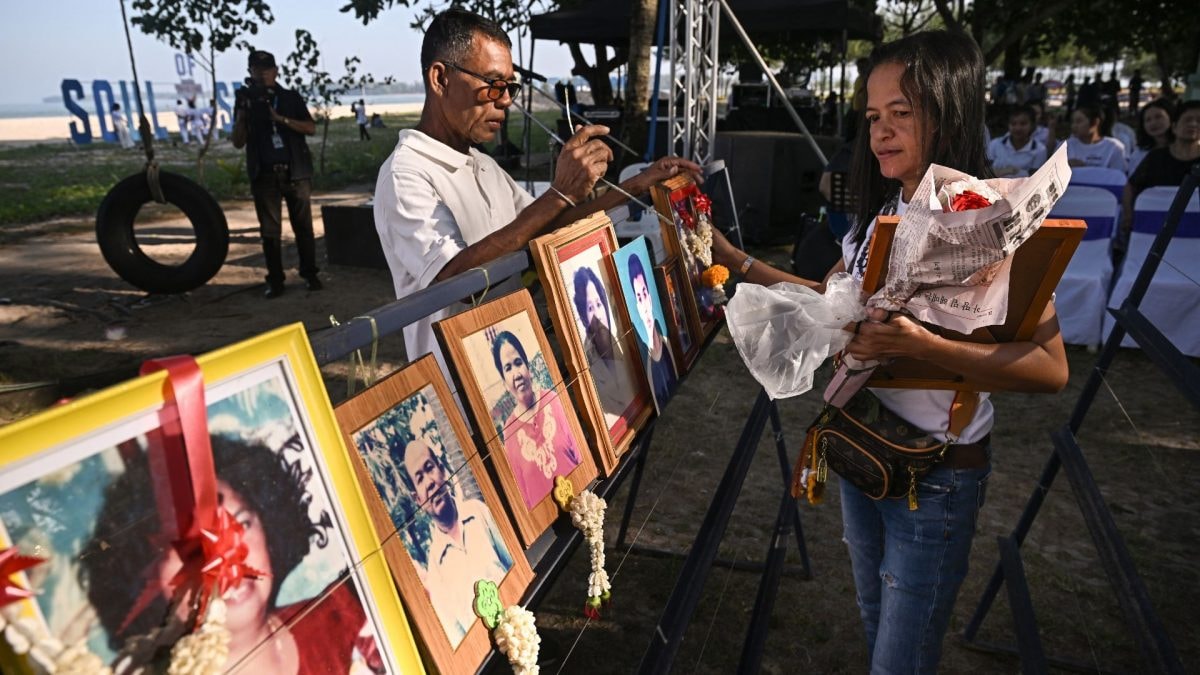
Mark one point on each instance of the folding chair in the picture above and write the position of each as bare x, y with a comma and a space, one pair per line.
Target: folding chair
1082, 293
1173, 300
1112, 180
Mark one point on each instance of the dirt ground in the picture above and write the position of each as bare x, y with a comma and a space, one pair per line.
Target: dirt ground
68, 323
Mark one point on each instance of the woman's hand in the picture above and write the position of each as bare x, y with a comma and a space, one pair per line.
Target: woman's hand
725, 253
880, 340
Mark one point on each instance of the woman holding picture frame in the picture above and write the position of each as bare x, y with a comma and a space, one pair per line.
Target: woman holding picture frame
925, 104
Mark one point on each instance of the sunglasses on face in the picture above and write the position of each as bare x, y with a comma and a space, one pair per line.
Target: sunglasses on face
495, 87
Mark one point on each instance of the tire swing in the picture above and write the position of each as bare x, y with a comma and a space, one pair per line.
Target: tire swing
114, 220
119, 245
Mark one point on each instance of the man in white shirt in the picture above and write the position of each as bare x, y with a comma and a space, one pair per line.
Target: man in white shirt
464, 543
441, 206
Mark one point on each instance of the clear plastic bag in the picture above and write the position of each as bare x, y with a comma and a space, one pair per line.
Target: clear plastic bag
786, 331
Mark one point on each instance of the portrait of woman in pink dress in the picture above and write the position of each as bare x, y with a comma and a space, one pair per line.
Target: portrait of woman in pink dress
537, 438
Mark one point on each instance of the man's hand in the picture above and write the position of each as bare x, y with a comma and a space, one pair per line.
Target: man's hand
662, 169
725, 253
583, 160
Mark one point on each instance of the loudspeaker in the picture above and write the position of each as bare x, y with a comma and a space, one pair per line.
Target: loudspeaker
774, 178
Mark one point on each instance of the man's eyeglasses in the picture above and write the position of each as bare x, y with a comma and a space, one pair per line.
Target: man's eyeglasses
495, 87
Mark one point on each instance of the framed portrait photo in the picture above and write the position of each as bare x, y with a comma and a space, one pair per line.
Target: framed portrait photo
425, 484
504, 367
594, 332
635, 268
81, 486
685, 337
670, 197
1037, 266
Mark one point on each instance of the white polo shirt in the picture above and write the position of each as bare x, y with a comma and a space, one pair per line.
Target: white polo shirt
431, 202
1026, 160
1107, 152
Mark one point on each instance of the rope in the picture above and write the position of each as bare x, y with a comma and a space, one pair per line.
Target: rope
143, 123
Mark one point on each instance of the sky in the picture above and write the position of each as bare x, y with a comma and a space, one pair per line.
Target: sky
47, 41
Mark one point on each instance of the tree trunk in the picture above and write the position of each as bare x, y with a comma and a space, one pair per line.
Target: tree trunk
324, 139
1012, 61
637, 93
602, 91
597, 75
212, 123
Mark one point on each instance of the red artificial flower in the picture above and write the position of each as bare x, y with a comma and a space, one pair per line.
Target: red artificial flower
685, 214
703, 204
12, 562
969, 201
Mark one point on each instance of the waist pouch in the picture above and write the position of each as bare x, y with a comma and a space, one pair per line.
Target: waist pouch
879, 452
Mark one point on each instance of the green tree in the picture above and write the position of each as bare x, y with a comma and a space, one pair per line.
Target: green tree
203, 29
302, 71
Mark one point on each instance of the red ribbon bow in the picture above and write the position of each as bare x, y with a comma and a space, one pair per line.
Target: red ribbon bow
214, 560
12, 562
703, 204
207, 538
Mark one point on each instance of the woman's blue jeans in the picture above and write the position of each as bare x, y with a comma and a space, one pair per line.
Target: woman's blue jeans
908, 565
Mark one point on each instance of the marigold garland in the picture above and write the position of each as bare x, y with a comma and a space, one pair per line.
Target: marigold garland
715, 276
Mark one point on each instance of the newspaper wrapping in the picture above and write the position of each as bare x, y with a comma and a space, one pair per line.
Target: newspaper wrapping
949, 269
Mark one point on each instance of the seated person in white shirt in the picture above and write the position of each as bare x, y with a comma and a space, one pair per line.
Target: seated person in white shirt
1017, 154
1086, 147
1041, 125
441, 206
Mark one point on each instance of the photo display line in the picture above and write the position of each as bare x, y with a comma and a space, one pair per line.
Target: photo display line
713, 621
1141, 436
1182, 273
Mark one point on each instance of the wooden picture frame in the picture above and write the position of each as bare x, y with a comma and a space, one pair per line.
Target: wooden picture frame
282, 471
412, 414
635, 269
575, 265
685, 336
667, 195
528, 448
1037, 266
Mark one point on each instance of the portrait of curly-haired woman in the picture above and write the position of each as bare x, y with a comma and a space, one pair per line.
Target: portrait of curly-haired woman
108, 579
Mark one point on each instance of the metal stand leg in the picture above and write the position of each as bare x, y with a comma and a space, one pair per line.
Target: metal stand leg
768, 588
689, 586
786, 469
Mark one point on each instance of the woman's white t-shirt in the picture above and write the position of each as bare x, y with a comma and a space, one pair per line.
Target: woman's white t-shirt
1107, 152
928, 409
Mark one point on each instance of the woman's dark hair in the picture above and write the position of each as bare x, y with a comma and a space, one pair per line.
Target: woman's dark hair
449, 35
1144, 140
944, 80
1092, 113
124, 550
501, 338
1026, 110
583, 277
1184, 107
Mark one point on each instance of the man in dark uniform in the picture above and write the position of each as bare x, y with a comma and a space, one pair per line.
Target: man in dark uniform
271, 121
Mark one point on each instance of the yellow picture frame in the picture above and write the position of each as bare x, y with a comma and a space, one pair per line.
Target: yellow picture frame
71, 434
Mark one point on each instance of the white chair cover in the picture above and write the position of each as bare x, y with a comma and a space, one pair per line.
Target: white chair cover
1172, 303
1082, 292
1112, 180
